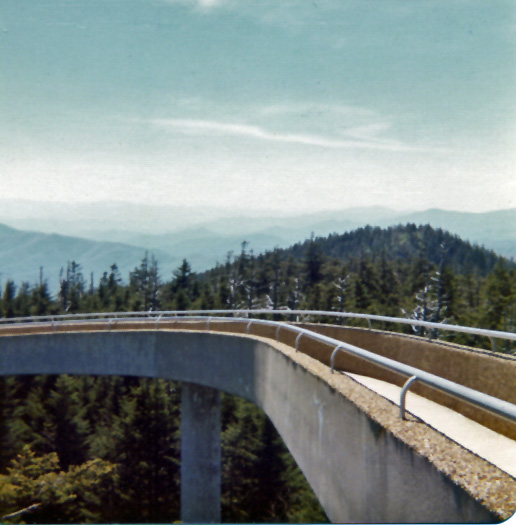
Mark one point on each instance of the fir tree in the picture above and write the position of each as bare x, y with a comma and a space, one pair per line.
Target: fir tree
148, 453
8, 297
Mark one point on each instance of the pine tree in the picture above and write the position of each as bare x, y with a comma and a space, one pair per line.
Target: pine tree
22, 301
8, 444
275, 282
240, 455
148, 453
145, 283
72, 287
31, 424
103, 292
177, 294
182, 277
67, 413
499, 297
40, 300
313, 262
388, 287
8, 297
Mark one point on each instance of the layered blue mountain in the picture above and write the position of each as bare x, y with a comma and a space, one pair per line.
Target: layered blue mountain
23, 253
97, 236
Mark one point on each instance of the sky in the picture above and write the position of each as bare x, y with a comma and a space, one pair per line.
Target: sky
288, 105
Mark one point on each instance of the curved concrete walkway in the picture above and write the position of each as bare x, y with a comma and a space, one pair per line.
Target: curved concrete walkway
489, 445
363, 462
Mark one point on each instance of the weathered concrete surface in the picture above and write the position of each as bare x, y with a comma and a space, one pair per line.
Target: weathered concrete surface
200, 454
364, 464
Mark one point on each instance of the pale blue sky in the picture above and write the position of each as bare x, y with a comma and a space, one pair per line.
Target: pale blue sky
264, 104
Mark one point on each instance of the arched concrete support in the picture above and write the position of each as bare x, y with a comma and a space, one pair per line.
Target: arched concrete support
359, 470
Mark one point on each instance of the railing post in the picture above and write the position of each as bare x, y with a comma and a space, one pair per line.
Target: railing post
297, 340
333, 354
403, 394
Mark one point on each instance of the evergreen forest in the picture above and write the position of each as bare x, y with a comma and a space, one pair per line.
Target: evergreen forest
106, 449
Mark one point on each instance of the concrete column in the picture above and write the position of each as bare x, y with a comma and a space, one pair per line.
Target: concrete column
200, 454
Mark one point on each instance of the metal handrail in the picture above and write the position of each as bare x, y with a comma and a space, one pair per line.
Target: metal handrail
490, 403
397, 320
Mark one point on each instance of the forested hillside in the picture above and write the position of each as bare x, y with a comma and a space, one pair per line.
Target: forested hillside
107, 449
404, 242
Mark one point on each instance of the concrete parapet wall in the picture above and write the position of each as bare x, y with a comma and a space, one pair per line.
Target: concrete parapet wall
480, 370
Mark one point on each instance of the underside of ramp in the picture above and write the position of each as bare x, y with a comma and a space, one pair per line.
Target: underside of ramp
362, 461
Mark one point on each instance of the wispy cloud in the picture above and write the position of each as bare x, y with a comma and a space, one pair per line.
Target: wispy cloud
358, 138
202, 5
306, 108
291, 13
207, 4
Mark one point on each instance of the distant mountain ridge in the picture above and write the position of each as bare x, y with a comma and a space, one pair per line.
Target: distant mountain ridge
22, 253
163, 227
205, 239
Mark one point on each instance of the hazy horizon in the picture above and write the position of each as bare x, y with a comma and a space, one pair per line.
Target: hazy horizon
296, 106
94, 220
119, 202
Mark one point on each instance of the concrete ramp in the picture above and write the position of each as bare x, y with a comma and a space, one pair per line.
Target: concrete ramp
364, 463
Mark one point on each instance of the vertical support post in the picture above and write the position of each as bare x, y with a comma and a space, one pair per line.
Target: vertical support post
200, 454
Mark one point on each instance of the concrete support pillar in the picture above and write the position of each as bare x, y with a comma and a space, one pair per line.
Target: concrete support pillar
200, 454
